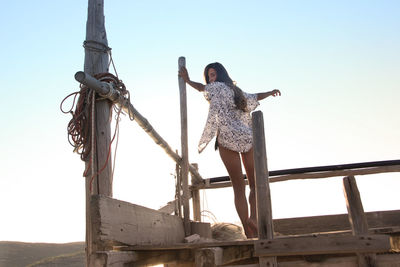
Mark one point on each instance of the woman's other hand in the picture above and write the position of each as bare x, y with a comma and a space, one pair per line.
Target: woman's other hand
275, 92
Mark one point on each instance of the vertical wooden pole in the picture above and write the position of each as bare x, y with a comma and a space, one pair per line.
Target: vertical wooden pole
178, 191
96, 61
357, 218
184, 142
263, 196
196, 198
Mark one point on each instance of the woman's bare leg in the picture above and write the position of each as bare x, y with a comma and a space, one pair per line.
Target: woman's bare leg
231, 160
248, 162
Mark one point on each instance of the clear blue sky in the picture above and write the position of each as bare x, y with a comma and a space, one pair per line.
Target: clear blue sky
337, 64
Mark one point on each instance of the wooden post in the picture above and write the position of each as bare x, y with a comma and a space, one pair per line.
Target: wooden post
263, 196
96, 61
196, 198
178, 191
185, 154
208, 257
357, 218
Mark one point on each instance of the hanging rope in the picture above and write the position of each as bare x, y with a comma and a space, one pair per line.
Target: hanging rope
81, 127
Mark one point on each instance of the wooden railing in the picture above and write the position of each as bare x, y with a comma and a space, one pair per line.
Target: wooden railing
318, 172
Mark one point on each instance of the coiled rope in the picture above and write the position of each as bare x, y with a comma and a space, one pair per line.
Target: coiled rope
81, 128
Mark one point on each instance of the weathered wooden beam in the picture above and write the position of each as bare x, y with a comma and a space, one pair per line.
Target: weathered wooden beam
196, 199
357, 218
208, 257
223, 181
184, 149
222, 256
385, 260
96, 61
119, 222
235, 254
114, 258
327, 174
323, 245
332, 223
177, 258
263, 195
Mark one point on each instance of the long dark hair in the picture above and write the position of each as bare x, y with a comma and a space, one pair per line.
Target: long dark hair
223, 76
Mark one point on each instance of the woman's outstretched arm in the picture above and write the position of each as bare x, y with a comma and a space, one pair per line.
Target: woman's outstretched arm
275, 92
185, 76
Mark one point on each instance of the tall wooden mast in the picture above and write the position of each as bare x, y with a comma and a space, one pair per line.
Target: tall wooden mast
98, 180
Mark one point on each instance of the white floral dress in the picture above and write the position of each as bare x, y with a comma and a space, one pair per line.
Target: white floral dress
232, 126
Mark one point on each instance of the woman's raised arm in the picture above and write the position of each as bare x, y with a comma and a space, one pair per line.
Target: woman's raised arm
275, 92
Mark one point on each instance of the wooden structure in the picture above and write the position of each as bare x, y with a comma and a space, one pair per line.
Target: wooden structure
124, 234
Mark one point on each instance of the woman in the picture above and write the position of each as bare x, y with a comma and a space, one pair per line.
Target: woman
229, 119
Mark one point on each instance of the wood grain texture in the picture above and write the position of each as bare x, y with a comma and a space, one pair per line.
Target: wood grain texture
330, 223
302, 176
97, 62
263, 196
184, 145
196, 198
122, 222
323, 245
357, 218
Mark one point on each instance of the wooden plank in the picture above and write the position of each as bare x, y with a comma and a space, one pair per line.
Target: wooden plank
122, 222
208, 257
263, 196
184, 144
234, 254
178, 190
187, 245
323, 245
357, 218
208, 184
177, 258
202, 229
196, 198
386, 260
327, 168
330, 223
114, 258
327, 174
222, 256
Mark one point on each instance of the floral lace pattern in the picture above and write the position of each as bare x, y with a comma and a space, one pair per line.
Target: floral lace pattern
231, 125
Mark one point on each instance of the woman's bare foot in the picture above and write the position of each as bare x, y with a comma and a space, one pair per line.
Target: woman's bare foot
250, 229
251, 224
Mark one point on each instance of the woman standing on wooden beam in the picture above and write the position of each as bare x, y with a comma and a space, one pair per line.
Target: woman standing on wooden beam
229, 119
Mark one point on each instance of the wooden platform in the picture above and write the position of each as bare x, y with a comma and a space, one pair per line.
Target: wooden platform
310, 250
334, 248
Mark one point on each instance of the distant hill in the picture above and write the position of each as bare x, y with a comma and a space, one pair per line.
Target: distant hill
20, 254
